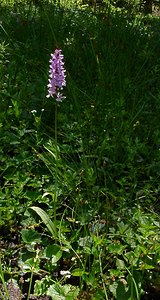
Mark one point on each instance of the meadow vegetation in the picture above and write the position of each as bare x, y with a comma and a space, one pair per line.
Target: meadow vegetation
80, 179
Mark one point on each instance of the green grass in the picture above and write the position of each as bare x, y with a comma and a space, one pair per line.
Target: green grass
105, 171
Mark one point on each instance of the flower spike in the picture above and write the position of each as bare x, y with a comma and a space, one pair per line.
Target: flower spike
57, 76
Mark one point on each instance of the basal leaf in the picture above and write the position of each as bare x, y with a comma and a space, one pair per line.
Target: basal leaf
46, 220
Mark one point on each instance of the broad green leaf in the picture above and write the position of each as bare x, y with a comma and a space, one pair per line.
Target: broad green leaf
122, 291
122, 227
120, 263
28, 264
41, 286
116, 248
55, 295
30, 236
54, 252
66, 292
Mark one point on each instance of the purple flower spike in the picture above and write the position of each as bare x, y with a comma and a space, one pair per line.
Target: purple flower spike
57, 76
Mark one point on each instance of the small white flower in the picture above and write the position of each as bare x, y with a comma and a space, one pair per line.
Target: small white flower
66, 274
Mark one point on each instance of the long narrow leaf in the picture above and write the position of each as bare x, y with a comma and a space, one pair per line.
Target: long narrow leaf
46, 220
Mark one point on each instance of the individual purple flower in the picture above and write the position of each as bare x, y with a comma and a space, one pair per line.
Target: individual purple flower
57, 76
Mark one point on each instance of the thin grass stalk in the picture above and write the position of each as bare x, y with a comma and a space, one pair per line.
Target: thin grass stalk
3, 282
101, 271
30, 284
51, 27
32, 272
132, 286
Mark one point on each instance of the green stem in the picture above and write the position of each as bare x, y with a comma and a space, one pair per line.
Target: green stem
101, 271
30, 284
133, 284
32, 272
56, 175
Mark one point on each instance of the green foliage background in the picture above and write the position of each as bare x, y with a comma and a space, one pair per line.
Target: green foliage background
108, 161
